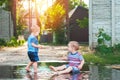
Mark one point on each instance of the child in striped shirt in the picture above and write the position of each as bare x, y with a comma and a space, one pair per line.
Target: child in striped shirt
75, 59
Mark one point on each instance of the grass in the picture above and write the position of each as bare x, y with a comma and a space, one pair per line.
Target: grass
106, 59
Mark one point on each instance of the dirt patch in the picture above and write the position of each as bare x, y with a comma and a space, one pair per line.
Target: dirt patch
18, 55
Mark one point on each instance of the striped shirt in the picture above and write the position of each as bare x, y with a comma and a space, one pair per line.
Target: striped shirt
75, 59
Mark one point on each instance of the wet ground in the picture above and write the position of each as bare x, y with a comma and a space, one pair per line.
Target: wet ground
89, 72
17, 72
14, 60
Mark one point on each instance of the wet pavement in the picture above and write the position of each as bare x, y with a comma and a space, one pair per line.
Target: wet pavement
17, 72
89, 72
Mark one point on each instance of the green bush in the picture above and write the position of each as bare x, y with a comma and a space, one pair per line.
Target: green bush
13, 42
93, 59
102, 47
60, 37
117, 47
107, 59
102, 37
2, 42
21, 42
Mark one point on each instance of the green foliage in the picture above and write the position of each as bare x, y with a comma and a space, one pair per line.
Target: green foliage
13, 42
60, 36
93, 59
102, 37
82, 23
20, 20
20, 29
117, 47
54, 20
98, 58
2, 42
54, 17
2, 2
102, 47
75, 3
7, 4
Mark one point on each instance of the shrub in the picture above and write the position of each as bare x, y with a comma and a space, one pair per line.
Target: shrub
102, 37
2, 42
60, 37
13, 42
102, 47
117, 47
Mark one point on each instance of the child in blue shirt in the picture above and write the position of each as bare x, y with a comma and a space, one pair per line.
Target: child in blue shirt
74, 58
33, 48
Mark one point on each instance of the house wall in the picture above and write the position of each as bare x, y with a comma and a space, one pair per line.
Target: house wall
6, 25
77, 33
104, 14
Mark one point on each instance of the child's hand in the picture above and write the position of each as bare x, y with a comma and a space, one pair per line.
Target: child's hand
64, 58
39, 46
80, 67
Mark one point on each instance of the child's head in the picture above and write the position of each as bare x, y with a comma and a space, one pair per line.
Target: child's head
73, 46
35, 30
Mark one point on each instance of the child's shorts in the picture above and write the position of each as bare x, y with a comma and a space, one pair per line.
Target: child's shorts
74, 69
33, 56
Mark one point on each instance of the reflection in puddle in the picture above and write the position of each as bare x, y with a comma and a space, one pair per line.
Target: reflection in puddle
31, 76
44, 73
79, 76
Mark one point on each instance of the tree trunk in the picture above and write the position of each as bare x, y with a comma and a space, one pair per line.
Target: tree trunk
54, 37
13, 14
81, 2
67, 20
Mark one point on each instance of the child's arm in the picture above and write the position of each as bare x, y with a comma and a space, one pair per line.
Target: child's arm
37, 46
64, 58
81, 64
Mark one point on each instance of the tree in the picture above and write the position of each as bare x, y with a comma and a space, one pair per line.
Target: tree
82, 23
75, 3
55, 16
20, 20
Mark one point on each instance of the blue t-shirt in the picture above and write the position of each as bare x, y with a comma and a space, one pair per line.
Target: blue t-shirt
75, 59
32, 39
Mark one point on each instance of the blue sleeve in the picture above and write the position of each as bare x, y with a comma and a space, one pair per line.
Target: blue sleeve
32, 40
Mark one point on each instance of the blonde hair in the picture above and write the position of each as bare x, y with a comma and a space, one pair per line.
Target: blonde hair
35, 28
74, 44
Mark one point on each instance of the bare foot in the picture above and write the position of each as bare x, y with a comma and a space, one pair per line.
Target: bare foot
55, 73
35, 72
27, 70
53, 68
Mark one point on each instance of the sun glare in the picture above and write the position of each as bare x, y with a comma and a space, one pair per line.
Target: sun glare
41, 5
26, 4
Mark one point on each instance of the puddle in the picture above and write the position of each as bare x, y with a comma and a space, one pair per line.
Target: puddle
90, 72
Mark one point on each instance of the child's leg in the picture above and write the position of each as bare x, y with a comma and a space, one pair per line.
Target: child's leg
28, 66
35, 67
67, 70
58, 68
